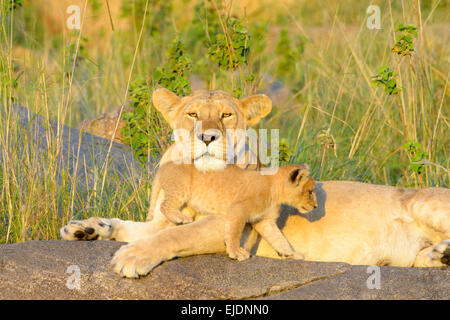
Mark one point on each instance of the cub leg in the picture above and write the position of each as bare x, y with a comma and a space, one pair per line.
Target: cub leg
235, 223
171, 208
268, 229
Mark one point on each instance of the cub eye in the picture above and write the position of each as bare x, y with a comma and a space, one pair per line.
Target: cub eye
226, 115
192, 115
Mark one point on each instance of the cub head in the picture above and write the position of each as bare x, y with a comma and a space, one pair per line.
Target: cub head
203, 121
299, 188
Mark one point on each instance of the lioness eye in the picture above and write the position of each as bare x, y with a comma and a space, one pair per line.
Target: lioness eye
192, 115
226, 115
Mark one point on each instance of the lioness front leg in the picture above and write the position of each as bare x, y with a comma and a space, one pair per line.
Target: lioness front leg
90, 229
268, 229
138, 258
112, 229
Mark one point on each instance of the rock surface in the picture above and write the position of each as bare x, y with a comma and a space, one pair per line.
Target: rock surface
39, 270
104, 124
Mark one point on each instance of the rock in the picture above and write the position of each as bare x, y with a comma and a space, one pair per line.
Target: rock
104, 124
277, 91
81, 155
395, 283
39, 270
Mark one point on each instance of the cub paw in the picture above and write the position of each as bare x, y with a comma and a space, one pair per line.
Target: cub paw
238, 254
292, 255
297, 256
90, 229
180, 218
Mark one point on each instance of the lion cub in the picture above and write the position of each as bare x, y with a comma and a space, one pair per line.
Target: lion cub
242, 195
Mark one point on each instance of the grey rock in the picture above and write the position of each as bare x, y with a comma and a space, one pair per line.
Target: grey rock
39, 270
395, 283
81, 155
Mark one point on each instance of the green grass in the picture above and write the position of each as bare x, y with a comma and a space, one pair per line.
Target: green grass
334, 119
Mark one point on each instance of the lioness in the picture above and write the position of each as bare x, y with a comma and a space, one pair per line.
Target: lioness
354, 222
244, 196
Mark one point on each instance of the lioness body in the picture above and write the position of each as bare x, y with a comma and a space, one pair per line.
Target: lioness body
354, 228
241, 195
357, 223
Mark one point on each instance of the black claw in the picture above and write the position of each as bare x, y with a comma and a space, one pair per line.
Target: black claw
89, 230
446, 257
79, 234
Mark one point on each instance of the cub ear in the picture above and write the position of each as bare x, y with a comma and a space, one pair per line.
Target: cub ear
165, 101
256, 108
298, 174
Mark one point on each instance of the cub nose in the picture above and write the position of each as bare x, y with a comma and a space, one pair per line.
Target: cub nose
208, 138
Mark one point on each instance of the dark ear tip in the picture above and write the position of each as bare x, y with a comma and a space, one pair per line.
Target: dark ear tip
293, 175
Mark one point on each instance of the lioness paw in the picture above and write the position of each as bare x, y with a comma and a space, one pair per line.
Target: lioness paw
135, 259
90, 229
238, 254
440, 255
437, 255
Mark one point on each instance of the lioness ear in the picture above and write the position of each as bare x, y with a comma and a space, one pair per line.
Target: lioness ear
256, 107
165, 101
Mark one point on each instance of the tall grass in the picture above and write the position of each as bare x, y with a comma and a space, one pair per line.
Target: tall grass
333, 118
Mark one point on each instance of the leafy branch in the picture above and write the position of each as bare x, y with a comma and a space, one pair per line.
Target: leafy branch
145, 130
404, 41
386, 78
173, 75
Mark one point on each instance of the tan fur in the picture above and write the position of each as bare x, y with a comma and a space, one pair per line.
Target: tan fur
209, 108
241, 195
354, 222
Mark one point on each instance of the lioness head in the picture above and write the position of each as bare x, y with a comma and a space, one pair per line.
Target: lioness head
298, 187
202, 123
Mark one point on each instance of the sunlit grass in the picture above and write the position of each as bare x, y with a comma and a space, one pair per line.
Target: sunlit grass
334, 119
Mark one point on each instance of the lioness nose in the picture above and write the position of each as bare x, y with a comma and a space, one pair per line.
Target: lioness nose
208, 138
